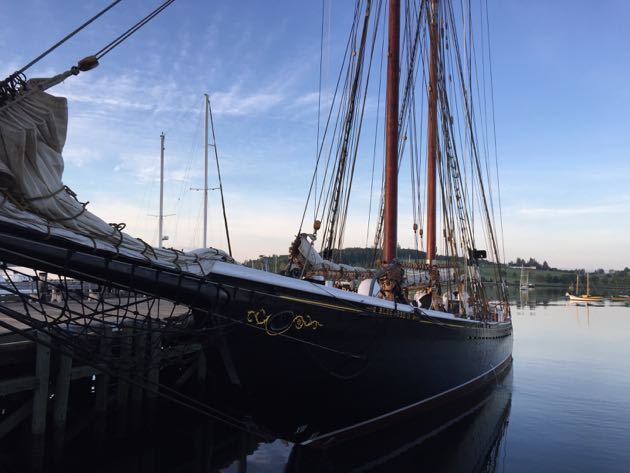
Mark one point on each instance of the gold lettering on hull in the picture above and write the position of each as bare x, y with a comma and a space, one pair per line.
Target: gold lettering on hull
262, 319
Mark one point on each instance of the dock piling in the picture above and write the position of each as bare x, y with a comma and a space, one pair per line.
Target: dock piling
140, 350
155, 356
60, 404
40, 401
102, 378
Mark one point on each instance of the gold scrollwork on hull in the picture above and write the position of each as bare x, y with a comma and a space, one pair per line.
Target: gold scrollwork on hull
262, 319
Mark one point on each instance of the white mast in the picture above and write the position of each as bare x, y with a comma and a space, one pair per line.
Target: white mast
205, 175
216, 158
161, 214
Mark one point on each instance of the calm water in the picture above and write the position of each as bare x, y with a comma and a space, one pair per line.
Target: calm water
571, 392
564, 407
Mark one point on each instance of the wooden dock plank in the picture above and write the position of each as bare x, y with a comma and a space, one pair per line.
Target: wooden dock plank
16, 385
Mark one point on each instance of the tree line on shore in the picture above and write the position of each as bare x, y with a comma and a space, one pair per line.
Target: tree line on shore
540, 273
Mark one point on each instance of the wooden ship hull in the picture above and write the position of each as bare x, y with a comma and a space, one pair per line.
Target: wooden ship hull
585, 298
345, 367
323, 362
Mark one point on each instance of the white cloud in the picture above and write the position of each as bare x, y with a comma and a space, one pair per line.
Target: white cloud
146, 167
311, 99
576, 211
126, 91
252, 230
133, 91
80, 156
235, 102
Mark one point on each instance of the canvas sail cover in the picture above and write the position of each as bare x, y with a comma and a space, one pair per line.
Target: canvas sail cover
34, 198
316, 262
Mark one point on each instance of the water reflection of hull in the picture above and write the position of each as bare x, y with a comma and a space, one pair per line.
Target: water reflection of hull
467, 441
466, 438
167, 440
587, 303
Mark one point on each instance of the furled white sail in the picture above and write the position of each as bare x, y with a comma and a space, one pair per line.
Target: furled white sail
33, 196
317, 263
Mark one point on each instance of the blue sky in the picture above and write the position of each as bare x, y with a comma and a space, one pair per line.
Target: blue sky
560, 80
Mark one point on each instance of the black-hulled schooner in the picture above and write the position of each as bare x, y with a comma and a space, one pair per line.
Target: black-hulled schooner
322, 361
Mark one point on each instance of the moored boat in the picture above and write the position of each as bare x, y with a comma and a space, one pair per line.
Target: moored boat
333, 362
337, 362
587, 297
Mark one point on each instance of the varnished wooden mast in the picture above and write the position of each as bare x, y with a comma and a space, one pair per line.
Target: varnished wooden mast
390, 217
432, 134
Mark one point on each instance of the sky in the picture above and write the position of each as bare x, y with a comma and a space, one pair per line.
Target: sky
560, 70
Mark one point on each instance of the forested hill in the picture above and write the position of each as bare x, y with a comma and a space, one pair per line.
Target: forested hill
363, 257
540, 274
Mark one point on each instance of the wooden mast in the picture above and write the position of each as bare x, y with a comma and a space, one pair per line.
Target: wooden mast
390, 213
577, 284
432, 134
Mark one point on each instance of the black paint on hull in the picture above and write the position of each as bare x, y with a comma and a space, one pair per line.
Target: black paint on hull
464, 437
318, 363
355, 366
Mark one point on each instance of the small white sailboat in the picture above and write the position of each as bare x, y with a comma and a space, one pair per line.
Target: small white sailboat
524, 283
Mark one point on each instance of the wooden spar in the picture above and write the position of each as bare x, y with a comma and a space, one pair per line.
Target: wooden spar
390, 214
577, 284
432, 135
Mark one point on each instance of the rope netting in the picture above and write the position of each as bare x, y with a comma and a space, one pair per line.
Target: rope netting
79, 318
43, 301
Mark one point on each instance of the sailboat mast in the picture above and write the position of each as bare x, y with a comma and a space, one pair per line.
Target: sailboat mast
161, 215
390, 214
577, 284
216, 158
205, 175
432, 134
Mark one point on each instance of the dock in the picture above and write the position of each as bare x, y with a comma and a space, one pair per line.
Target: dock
112, 354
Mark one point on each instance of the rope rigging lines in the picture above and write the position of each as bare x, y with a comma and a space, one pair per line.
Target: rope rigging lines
15, 84
74, 323
68, 36
122, 37
341, 134
466, 136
